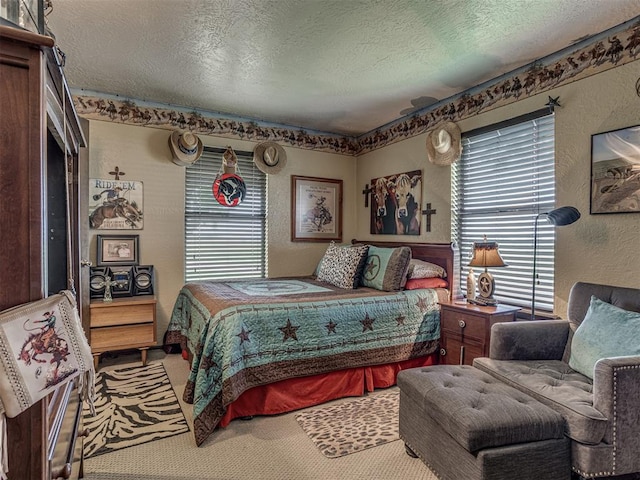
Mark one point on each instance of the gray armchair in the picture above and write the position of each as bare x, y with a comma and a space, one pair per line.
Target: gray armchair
602, 415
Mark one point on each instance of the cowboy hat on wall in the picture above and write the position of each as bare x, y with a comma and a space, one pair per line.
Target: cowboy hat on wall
269, 157
186, 148
444, 145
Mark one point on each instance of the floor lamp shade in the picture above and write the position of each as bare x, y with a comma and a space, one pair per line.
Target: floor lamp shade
558, 218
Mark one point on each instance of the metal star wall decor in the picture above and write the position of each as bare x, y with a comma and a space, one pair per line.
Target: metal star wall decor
552, 103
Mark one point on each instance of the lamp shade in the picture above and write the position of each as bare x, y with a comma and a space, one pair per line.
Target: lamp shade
486, 254
558, 218
563, 216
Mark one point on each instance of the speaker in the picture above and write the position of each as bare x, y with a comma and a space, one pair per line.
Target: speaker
143, 280
97, 277
123, 282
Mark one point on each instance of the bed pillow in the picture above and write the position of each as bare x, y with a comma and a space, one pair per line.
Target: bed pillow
422, 269
435, 282
342, 266
606, 331
386, 268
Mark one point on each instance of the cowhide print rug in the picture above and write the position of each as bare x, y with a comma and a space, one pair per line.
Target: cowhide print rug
133, 405
353, 426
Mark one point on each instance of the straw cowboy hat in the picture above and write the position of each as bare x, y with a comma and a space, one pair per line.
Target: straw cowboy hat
186, 148
443, 144
269, 157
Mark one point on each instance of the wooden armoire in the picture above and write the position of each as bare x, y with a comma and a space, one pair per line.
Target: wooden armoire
43, 162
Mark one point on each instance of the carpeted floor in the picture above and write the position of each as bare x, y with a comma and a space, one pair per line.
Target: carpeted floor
265, 448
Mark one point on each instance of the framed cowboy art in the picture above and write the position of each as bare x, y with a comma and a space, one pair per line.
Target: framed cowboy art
115, 204
316, 209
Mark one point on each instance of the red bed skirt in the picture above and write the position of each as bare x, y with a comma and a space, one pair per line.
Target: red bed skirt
295, 393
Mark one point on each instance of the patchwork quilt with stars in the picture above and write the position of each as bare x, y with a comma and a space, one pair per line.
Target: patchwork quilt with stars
241, 338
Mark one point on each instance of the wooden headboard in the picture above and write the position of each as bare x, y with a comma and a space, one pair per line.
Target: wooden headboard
446, 255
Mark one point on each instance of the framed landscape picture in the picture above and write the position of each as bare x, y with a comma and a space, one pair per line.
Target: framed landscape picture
615, 171
316, 209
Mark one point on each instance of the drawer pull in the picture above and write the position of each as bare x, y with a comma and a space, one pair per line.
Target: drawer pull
461, 323
443, 352
462, 355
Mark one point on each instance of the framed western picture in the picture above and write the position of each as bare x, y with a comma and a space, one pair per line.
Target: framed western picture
118, 250
615, 171
395, 208
115, 204
316, 209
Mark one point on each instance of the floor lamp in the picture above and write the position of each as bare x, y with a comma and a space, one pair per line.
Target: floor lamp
558, 217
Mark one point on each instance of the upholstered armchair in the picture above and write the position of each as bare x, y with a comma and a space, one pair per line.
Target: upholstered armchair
602, 413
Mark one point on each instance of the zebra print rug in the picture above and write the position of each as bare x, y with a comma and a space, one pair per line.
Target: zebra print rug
133, 406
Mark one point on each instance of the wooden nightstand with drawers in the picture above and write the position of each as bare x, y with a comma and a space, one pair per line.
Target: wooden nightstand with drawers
465, 330
124, 323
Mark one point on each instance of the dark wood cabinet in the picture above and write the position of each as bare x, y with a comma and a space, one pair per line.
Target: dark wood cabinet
465, 330
40, 143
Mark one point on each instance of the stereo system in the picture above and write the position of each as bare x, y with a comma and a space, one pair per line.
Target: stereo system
129, 281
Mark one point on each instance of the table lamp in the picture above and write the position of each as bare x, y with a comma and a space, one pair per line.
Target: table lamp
486, 254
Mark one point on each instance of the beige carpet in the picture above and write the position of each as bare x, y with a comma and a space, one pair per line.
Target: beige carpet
265, 448
350, 427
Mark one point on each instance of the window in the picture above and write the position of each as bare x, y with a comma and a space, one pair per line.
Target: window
506, 176
224, 242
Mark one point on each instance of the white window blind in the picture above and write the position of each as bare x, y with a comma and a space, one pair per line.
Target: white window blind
224, 242
506, 176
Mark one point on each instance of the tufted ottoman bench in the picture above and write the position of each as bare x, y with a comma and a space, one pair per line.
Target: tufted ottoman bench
467, 425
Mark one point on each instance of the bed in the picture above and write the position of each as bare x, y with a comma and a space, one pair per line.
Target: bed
269, 346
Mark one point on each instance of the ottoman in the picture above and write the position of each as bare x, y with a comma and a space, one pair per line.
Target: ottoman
467, 425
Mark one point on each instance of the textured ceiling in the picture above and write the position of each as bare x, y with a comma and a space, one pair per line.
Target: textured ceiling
343, 66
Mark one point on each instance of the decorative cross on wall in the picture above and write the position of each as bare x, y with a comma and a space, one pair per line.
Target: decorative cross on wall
367, 192
428, 212
117, 173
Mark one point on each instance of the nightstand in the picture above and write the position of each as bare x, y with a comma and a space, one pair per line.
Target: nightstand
465, 330
122, 324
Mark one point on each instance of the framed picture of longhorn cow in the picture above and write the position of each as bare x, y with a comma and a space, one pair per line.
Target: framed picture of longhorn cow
316, 209
395, 206
115, 204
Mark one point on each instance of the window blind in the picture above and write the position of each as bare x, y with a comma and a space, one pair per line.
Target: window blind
505, 177
224, 242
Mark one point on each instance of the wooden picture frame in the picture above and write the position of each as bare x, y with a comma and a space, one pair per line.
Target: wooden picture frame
118, 250
316, 209
615, 171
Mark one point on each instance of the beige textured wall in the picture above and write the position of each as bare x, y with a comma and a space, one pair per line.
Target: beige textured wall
143, 154
599, 248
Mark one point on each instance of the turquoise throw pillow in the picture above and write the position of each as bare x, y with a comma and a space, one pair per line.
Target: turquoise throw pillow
606, 331
386, 268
